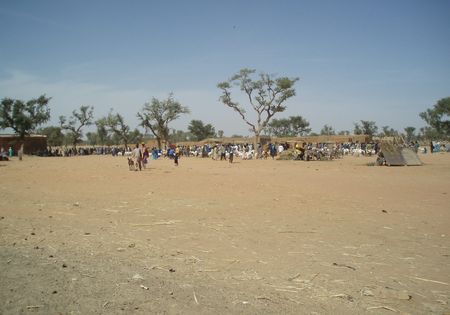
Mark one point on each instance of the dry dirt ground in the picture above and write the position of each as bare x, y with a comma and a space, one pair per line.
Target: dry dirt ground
84, 235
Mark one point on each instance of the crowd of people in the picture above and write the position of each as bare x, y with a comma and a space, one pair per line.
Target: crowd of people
141, 154
83, 150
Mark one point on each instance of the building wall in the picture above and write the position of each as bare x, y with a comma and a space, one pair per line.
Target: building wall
32, 144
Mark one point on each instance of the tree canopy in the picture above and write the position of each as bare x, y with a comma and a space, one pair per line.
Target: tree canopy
410, 133
55, 137
327, 130
201, 131
266, 97
157, 115
179, 136
288, 127
102, 135
76, 122
366, 128
115, 123
24, 117
388, 132
438, 117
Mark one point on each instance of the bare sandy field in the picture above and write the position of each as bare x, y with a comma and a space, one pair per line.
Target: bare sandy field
84, 235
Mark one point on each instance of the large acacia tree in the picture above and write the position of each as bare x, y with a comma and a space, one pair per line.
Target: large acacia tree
437, 118
24, 117
74, 125
266, 97
157, 115
115, 124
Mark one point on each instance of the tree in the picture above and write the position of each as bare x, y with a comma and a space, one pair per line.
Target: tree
157, 115
103, 136
327, 130
437, 117
266, 97
299, 126
135, 136
220, 133
76, 122
344, 133
366, 128
388, 132
179, 136
23, 117
410, 136
115, 124
429, 133
201, 131
278, 127
55, 137
92, 138
288, 127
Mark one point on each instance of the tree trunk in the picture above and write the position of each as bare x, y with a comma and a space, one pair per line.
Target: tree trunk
158, 140
20, 153
256, 140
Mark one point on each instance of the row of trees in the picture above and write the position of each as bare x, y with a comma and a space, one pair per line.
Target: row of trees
298, 126
24, 118
266, 96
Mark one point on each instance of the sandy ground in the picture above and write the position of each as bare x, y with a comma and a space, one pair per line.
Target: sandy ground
85, 235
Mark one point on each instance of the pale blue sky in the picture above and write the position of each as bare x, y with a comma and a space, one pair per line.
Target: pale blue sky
373, 60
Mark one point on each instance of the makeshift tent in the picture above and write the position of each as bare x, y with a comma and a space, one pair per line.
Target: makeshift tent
395, 155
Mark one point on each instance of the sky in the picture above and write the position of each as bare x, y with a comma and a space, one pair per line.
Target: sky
384, 61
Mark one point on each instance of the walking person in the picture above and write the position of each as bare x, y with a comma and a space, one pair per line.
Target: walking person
137, 156
231, 154
273, 150
176, 156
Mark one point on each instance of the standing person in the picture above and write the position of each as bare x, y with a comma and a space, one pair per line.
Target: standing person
10, 151
154, 153
431, 146
3, 155
145, 155
416, 146
222, 152
137, 156
230, 157
273, 151
176, 156
259, 151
